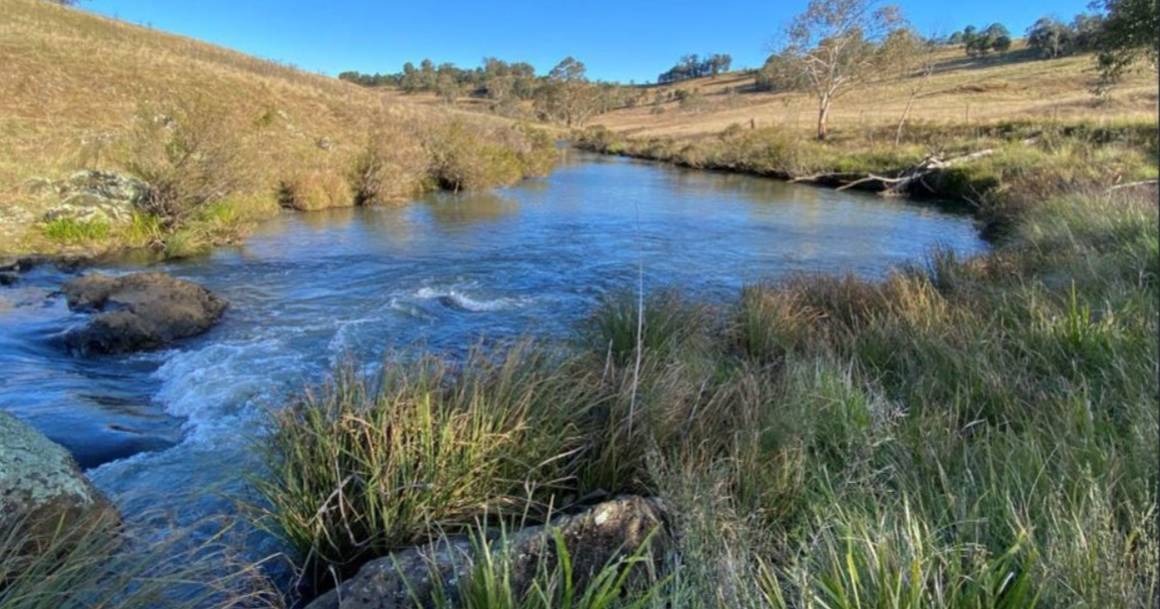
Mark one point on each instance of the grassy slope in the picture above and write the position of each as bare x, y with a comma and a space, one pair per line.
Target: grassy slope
1009, 87
74, 85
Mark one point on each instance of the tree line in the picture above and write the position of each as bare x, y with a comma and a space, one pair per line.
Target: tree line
565, 94
693, 66
995, 37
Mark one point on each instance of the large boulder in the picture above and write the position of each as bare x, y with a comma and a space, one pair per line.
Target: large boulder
97, 196
138, 311
40, 484
593, 537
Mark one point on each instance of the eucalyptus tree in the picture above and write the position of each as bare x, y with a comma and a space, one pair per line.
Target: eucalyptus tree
835, 46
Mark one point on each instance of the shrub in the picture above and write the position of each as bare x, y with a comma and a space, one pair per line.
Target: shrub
188, 157
468, 157
315, 189
392, 164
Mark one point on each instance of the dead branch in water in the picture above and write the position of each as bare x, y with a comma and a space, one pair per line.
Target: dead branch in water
893, 186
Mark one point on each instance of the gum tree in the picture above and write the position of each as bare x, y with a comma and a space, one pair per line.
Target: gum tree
836, 46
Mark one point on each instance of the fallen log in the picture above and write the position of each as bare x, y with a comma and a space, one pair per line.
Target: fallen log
894, 185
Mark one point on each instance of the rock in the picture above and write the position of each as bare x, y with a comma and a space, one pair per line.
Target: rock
98, 196
593, 538
138, 311
8, 278
39, 481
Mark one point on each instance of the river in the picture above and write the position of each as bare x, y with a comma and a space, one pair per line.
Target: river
173, 429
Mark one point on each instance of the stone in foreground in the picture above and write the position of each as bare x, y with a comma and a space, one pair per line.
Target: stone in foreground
39, 481
594, 537
138, 311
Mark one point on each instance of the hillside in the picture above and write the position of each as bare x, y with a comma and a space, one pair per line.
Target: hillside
79, 89
1012, 86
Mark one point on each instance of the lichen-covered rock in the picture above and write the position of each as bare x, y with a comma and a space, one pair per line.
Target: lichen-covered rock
98, 196
593, 537
138, 311
39, 481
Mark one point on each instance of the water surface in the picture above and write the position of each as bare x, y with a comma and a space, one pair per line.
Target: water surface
172, 428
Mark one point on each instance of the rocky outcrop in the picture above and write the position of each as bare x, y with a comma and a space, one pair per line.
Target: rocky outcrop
138, 311
95, 196
40, 484
593, 538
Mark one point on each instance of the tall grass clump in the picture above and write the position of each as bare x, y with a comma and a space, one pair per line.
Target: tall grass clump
501, 579
98, 562
365, 466
666, 323
70, 231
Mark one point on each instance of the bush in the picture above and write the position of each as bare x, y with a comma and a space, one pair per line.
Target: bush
391, 166
188, 157
314, 189
469, 157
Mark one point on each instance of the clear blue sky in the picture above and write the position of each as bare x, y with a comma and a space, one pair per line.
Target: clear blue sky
617, 39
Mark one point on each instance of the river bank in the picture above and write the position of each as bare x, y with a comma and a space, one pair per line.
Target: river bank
993, 170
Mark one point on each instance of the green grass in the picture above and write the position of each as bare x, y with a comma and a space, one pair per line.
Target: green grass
67, 231
968, 433
1030, 160
97, 562
365, 466
497, 580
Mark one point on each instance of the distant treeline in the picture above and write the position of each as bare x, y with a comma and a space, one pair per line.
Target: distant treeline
692, 66
994, 37
564, 94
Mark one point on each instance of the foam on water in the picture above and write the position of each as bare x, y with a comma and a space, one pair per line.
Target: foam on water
457, 298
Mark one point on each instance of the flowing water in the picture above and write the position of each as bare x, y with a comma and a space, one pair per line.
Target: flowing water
172, 429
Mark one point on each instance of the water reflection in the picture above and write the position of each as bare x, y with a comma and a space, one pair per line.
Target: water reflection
458, 210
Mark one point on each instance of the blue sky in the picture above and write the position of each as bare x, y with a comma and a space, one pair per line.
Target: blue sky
617, 39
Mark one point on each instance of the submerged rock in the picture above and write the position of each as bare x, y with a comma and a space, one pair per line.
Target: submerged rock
593, 537
98, 196
40, 482
139, 311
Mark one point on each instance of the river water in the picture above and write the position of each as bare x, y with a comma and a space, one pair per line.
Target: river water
173, 429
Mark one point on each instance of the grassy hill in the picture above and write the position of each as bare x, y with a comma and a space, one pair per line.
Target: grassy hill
86, 92
961, 90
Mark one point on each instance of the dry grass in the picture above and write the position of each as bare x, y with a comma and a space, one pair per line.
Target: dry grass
962, 90
76, 84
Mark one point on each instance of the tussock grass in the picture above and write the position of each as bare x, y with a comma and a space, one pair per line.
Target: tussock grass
69, 231
968, 433
98, 562
367, 466
668, 323
495, 581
